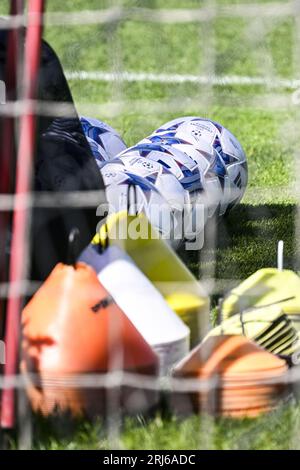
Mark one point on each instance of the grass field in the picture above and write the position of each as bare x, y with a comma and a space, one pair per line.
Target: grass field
263, 118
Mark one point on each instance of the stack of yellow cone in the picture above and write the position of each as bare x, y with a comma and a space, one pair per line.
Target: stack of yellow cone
265, 307
246, 380
269, 327
268, 286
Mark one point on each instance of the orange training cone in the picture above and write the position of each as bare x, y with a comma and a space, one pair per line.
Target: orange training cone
249, 380
72, 327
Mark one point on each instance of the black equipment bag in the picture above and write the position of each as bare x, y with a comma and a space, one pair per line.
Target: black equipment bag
63, 163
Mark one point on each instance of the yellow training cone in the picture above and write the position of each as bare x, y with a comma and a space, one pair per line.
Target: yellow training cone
268, 286
269, 327
156, 259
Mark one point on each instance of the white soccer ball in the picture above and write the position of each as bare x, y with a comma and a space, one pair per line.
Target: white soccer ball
126, 190
190, 165
180, 181
113, 172
105, 142
219, 154
181, 165
165, 181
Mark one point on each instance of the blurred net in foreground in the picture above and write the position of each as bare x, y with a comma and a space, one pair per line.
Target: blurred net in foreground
135, 66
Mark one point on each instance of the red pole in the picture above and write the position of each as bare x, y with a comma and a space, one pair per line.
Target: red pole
21, 216
7, 137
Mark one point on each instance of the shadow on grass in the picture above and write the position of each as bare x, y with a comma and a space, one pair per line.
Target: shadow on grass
246, 240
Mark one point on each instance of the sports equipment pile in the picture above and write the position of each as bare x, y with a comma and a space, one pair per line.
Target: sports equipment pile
186, 164
149, 307
122, 320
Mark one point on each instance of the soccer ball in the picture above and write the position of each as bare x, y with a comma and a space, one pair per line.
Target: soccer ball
165, 181
207, 160
181, 165
204, 185
186, 165
105, 142
113, 172
153, 175
219, 154
129, 191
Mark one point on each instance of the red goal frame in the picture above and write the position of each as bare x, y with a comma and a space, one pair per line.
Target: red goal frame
23, 187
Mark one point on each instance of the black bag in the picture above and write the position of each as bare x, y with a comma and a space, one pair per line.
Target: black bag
63, 163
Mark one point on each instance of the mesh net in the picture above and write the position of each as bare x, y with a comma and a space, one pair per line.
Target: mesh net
136, 65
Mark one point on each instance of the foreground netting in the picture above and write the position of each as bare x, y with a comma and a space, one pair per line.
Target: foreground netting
273, 97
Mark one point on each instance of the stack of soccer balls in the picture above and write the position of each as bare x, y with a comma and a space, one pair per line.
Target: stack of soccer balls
188, 170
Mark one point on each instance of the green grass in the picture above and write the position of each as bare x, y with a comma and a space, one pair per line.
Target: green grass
248, 236
277, 430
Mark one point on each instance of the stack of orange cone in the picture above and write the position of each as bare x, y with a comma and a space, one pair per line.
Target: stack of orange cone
249, 380
72, 327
